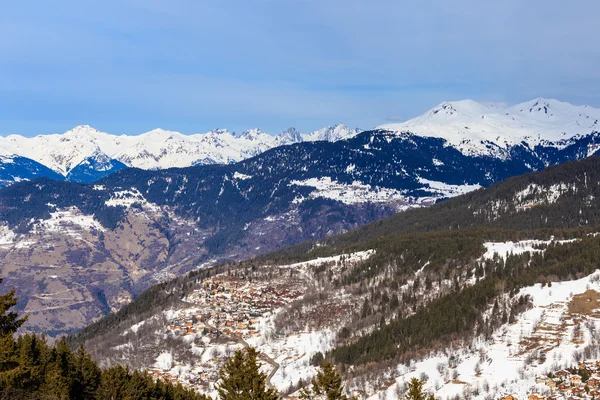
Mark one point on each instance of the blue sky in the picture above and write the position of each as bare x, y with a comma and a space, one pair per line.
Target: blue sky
129, 66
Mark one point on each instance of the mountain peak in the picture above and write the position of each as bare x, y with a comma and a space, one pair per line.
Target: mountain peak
459, 107
82, 130
289, 136
219, 131
332, 133
252, 134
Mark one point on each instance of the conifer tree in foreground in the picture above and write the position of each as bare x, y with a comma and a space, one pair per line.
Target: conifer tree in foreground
326, 385
9, 320
30, 369
242, 380
416, 392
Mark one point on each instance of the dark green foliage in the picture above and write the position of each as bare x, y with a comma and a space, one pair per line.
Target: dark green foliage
445, 242
242, 380
317, 359
460, 313
327, 384
31, 369
492, 208
416, 392
454, 313
9, 320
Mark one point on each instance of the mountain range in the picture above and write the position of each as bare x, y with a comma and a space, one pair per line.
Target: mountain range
84, 154
480, 296
393, 232
105, 242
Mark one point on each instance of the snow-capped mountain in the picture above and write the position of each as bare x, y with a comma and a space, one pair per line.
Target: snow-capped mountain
475, 129
491, 128
157, 149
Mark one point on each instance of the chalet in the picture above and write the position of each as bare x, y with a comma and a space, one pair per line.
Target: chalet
509, 397
563, 374
534, 396
594, 393
564, 388
551, 383
593, 383
578, 391
575, 380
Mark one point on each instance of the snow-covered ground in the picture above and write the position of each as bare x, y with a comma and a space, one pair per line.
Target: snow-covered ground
488, 129
69, 222
543, 339
447, 190
354, 193
538, 194
7, 236
288, 353
358, 192
504, 249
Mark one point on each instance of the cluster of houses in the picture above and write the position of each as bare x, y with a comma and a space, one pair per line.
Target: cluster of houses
231, 306
582, 382
201, 378
224, 307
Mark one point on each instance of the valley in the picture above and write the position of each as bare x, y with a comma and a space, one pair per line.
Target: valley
393, 300
394, 255
190, 211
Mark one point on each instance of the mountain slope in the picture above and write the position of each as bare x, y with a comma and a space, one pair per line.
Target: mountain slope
475, 129
17, 169
199, 216
424, 286
491, 129
157, 149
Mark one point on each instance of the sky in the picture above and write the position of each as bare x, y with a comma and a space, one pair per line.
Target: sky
128, 66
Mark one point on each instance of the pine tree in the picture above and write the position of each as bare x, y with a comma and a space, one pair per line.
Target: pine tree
327, 384
60, 374
9, 320
88, 375
416, 392
113, 383
242, 380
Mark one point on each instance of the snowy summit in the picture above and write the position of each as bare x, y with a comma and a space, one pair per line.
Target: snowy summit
485, 128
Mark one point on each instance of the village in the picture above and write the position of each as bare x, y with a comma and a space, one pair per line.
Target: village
224, 312
582, 382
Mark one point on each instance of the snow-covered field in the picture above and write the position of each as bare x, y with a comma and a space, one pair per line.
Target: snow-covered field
447, 190
354, 193
543, 339
504, 249
68, 222
357, 192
